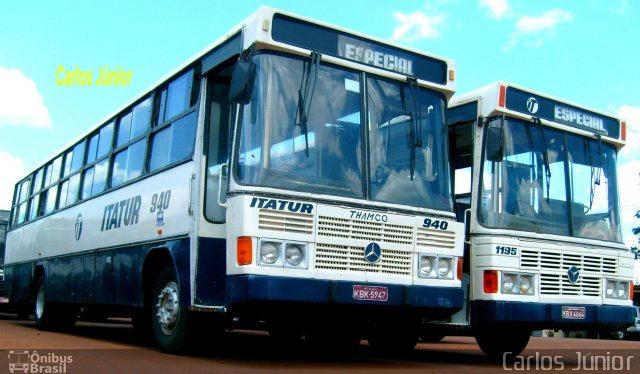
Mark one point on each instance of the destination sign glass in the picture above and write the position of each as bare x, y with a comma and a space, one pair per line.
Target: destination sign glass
537, 106
350, 47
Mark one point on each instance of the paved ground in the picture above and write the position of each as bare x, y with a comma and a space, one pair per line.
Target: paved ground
114, 348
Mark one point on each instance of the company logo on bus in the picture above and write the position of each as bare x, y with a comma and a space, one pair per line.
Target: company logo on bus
573, 274
78, 227
532, 105
372, 253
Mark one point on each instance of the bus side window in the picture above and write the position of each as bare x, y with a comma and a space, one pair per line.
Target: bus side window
217, 150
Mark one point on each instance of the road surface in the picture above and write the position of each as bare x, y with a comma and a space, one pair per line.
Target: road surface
114, 348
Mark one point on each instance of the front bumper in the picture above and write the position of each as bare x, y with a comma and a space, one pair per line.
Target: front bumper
536, 316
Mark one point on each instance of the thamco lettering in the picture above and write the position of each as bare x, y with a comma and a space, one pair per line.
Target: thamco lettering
579, 118
125, 212
379, 59
369, 216
277, 204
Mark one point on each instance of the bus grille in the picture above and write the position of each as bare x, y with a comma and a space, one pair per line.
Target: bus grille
364, 230
434, 238
553, 268
351, 259
273, 220
558, 284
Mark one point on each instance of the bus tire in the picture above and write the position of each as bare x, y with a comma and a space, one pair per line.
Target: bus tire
171, 323
502, 344
50, 316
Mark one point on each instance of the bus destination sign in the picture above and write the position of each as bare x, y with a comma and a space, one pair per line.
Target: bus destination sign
542, 107
354, 48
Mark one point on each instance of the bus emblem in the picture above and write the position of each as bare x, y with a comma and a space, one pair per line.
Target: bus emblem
573, 274
372, 253
532, 105
78, 226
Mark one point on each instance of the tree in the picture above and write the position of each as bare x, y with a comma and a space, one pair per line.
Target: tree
635, 248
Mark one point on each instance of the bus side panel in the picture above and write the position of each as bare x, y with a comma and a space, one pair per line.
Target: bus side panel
70, 279
17, 282
118, 276
211, 273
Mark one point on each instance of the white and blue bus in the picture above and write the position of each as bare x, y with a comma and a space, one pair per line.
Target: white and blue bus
292, 177
536, 186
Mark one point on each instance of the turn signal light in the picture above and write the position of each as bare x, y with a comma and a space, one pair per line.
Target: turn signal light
244, 250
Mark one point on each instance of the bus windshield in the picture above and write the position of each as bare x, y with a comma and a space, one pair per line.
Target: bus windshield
542, 169
303, 131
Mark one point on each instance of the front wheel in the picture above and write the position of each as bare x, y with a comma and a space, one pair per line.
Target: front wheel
172, 324
499, 344
49, 316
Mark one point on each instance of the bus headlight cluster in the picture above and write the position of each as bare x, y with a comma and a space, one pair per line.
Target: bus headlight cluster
272, 252
617, 289
435, 266
517, 283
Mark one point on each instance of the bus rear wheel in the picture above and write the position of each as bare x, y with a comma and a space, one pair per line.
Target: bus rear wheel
501, 344
172, 324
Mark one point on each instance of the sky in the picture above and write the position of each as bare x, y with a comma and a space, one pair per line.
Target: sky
585, 51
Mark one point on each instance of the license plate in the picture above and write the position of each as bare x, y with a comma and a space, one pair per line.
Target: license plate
374, 293
574, 312
3, 300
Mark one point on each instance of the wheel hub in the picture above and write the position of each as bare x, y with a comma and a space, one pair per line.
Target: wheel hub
168, 308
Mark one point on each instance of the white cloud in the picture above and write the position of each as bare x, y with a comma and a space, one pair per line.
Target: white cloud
11, 171
417, 25
498, 9
534, 28
20, 102
621, 7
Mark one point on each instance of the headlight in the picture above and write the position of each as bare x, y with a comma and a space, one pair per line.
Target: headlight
426, 266
517, 283
282, 253
433, 266
617, 289
508, 282
444, 267
293, 254
269, 252
525, 284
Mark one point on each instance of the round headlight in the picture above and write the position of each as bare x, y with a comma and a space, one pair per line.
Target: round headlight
508, 282
294, 255
269, 252
525, 284
444, 267
610, 286
426, 266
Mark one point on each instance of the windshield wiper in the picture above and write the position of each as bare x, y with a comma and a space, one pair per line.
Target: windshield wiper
595, 169
545, 151
305, 96
415, 135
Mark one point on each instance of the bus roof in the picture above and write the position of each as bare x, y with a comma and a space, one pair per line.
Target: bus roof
256, 27
501, 97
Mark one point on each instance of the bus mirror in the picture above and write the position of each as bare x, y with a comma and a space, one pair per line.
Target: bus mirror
244, 76
494, 144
